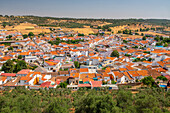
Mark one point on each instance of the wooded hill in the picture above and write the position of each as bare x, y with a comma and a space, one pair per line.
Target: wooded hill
78, 22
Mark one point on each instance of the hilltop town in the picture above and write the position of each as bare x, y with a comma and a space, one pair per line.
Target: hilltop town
84, 56
44, 56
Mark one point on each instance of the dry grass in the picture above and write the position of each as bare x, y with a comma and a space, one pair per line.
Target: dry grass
134, 27
167, 29
93, 22
152, 33
85, 30
132, 36
23, 28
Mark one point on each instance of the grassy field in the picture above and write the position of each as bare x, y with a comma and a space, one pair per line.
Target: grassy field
25, 28
152, 33
86, 30
38, 25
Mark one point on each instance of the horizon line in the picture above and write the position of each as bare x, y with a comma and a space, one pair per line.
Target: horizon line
91, 17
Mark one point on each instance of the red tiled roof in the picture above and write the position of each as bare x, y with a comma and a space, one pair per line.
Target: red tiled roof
51, 63
143, 72
126, 74
9, 74
168, 77
25, 78
129, 68
133, 73
24, 71
96, 83
84, 85
122, 69
3, 78
118, 74
45, 84
83, 69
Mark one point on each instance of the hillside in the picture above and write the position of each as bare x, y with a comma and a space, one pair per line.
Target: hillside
25, 24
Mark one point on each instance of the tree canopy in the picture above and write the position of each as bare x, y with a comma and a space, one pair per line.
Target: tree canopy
144, 38
21, 100
76, 64
30, 34
149, 81
162, 78
10, 67
115, 53
25, 36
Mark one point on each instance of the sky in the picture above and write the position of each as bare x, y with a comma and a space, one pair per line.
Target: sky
115, 9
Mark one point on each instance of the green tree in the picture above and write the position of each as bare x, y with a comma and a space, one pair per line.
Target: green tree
135, 47
6, 16
149, 81
95, 102
148, 52
153, 29
127, 55
157, 38
76, 64
125, 100
21, 64
162, 78
99, 27
8, 67
9, 36
125, 41
58, 105
10, 48
80, 34
103, 82
4, 24
161, 38
19, 57
115, 53
119, 32
17, 68
159, 44
25, 36
109, 29
166, 45
150, 59
30, 34
136, 33
113, 82
63, 85
144, 38
147, 103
